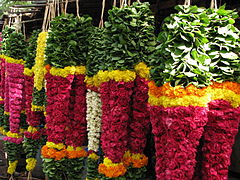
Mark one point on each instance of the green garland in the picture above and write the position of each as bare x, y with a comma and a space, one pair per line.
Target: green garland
197, 46
68, 39
31, 50
129, 37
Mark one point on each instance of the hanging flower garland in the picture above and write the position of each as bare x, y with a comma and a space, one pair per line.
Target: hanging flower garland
66, 98
94, 104
33, 135
183, 107
4, 84
15, 97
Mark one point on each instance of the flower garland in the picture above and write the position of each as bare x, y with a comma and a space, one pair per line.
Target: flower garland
65, 125
94, 113
222, 127
116, 97
2, 83
14, 137
35, 118
227, 91
139, 125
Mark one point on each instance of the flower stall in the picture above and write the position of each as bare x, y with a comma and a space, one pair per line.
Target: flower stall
86, 98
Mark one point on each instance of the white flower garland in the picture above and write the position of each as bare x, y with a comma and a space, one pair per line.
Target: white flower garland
94, 115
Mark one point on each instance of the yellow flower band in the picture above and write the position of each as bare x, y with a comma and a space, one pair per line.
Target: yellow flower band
142, 70
168, 96
2, 131
1, 99
12, 167
13, 135
92, 81
31, 163
12, 60
32, 129
184, 101
225, 94
93, 156
56, 146
69, 70
39, 69
37, 108
7, 113
28, 72
110, 169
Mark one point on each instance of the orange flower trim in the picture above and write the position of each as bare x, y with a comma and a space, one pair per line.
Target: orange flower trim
60, 154
110, 169
233, 86
175, 92
136, 160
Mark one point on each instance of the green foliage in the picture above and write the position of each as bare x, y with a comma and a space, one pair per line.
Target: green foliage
13, 44
97, 54
30, 147
194, 48
224, 45
129, 36
92, 169
1, 115
13, 150
63, 169
6, 122
39, 97
31, 50
136, 173
23, 123
68, 41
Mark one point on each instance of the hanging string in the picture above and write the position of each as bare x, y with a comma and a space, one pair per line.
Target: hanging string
213, 4
77, 4
122, 3
187, 2
102, 14
11, 178
29, 175
129, 2
138, 1
115, 3
66, 4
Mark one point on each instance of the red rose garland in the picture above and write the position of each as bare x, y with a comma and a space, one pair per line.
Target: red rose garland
77, 132
222, 126
177, 132
2, 84
58, 100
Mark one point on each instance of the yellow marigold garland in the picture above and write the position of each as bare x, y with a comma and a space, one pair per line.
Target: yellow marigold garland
39, 69
37, 108
64, 72
12, 60
142, 70
12, 167
28, 72
31, 163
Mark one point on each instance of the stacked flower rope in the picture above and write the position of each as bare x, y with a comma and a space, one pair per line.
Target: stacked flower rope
193, 94
63, 153
15, 103
33, 135
116, 77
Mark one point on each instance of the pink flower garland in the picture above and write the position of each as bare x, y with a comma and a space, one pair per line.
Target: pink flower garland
58, 100
177, 132
2, 80
76, 135
219, 136
28, 96
116, 98
16, 88
139, 125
